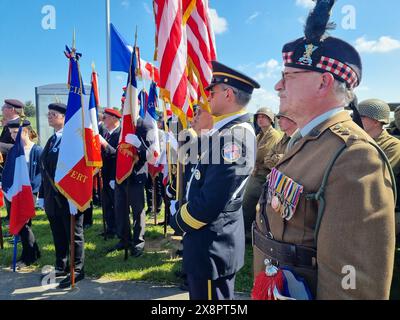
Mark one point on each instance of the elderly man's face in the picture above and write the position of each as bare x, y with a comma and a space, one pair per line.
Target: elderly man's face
297, 90
286, 124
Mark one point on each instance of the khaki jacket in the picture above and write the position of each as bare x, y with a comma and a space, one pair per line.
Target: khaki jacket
276, 153
265, 142
357, 227
391, 147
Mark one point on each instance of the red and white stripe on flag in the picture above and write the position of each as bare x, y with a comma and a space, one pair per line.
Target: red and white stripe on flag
172, 55
201, 47
185, 49
91, 132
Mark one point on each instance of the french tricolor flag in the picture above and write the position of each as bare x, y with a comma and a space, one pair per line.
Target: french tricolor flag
73, 177
17, 187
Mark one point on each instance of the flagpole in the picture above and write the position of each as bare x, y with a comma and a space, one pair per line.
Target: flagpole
72, 250
108, 52
15, 252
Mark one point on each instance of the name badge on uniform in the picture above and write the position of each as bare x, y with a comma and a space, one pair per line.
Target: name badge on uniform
283, 194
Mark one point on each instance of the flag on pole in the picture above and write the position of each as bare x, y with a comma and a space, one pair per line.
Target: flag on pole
201, 48
143, 99
150, 119
17, 187
92, 137
73, 177
185, 49
127, 154
172, 56
121, 54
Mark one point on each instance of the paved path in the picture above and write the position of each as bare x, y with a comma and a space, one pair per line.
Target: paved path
28, 286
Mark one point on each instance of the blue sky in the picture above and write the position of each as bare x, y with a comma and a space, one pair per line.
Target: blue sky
249, 36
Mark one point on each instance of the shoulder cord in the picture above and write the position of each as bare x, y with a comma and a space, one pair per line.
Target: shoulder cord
319, 196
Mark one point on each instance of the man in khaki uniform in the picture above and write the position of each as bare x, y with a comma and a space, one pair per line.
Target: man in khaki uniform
327, 212
375, 114
288, 126
266, 140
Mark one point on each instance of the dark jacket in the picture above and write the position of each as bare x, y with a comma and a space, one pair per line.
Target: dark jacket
54, 202
212, 218
109, 154
35, 175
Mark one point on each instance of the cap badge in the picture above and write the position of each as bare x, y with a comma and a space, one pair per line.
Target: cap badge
306, 58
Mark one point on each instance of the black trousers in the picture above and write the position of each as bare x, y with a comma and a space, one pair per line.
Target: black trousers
159, 189
30, 249
129, 196
107, 198
60, 224
205, 289
88, 216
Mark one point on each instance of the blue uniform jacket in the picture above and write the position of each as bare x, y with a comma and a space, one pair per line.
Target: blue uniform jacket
212, 218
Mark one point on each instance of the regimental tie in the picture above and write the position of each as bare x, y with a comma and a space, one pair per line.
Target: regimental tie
283, 194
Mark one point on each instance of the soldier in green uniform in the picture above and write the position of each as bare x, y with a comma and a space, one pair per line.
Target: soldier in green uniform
375, 115
289, 127
266, 140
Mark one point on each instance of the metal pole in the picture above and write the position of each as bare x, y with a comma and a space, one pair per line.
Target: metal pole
72, 251
108, 52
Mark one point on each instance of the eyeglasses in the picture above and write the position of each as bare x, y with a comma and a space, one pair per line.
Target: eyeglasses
285, 74
213, 92
52, 114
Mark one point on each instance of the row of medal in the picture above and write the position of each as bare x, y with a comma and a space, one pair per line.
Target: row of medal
283, 194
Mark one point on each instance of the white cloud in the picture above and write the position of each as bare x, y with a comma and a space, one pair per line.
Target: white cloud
253, 16
125, 3
308, 4
263, 98
270, 69
301, 20
220, 24
147, 8
361, 89
382, 45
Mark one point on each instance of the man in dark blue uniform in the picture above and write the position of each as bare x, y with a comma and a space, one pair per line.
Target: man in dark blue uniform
212, 217
109, 143
56, 205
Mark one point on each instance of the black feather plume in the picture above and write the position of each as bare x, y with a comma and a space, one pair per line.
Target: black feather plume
318, 21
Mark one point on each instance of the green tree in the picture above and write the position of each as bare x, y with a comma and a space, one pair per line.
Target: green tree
30, 109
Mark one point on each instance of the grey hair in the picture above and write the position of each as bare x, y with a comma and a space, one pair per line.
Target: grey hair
342, 92
242, 98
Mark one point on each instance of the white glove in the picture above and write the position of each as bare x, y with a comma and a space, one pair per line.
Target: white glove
40, 203
133, 140
172, 208
112, 184
172, 141
72, 208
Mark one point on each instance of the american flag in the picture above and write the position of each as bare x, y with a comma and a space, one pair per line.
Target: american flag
185, 49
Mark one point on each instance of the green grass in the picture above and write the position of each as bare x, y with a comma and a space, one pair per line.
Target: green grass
158, 264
